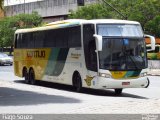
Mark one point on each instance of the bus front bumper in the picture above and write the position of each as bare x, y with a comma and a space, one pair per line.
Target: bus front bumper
110, 83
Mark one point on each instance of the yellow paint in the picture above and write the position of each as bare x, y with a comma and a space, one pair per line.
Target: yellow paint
57, 23
35, 58
88, 80
118, 74
121, 75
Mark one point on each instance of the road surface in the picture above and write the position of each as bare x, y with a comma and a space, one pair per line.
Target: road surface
18, 97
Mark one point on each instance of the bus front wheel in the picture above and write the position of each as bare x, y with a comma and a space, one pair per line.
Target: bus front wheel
118, 91
148, 82
32, 77
77, 82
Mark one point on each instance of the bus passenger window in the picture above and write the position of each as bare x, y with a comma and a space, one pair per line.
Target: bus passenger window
74, 39
16, 39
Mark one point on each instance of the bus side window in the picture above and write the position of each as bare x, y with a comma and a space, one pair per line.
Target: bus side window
74, 38
61, 38
50, 37
15, 41
19, 40
39, 39
30, 40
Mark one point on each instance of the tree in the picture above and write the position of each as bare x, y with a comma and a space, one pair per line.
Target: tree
1, 9
144, 11
8, 25
153, 26
92, 11
1, 4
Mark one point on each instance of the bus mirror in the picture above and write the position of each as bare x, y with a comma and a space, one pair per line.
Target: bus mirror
98, 39
152, 39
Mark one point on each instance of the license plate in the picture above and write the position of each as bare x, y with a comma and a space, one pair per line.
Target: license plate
125, 83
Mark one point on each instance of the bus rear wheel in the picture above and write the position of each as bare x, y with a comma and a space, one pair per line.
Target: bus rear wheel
32, 77
77, 82
118, 91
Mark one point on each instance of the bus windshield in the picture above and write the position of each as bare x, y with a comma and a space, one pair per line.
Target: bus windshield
120, 30
123, 51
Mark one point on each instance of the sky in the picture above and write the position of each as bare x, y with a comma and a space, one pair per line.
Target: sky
13, 2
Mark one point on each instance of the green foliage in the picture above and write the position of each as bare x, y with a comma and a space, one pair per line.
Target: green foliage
93, 11
29, 20
8, 25
1, 4
153, 26
145, 11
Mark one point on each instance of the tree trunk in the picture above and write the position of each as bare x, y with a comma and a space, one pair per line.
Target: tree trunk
11, 50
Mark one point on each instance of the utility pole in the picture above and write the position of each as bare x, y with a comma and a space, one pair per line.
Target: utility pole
24, 7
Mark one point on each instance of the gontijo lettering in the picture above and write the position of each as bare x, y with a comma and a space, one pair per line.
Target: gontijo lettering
36, 54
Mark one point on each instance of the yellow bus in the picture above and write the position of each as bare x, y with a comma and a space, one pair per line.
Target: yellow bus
98, 54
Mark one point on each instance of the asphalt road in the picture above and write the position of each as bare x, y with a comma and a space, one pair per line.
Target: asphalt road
7, 73
153, 91
18, 97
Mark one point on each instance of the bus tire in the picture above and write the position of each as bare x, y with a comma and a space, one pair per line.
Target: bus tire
147, 83
25, 75
32, 77
77, 82
118, 91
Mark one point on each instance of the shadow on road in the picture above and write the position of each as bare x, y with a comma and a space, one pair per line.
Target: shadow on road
107, 92
14, 97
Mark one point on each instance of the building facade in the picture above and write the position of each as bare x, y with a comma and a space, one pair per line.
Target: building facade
50, 10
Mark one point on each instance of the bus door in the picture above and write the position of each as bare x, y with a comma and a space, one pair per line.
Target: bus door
89, 53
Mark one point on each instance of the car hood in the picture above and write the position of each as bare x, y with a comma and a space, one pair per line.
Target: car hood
6, 58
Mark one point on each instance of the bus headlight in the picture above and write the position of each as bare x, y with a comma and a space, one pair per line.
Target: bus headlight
105, 75
143, 74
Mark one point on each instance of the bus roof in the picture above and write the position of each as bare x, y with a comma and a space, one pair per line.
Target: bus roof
74, 22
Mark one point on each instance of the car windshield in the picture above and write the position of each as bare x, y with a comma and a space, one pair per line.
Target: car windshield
3, 55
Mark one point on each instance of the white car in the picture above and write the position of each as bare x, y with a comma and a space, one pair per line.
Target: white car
5, 59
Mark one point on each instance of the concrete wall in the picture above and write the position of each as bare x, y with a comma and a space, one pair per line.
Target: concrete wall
154, 64
46, 8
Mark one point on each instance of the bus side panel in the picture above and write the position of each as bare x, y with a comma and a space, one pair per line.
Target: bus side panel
74, 63
56, 61
55, 65
31, 58
62, 64
17, 62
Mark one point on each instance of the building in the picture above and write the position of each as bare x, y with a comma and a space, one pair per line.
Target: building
50, 10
